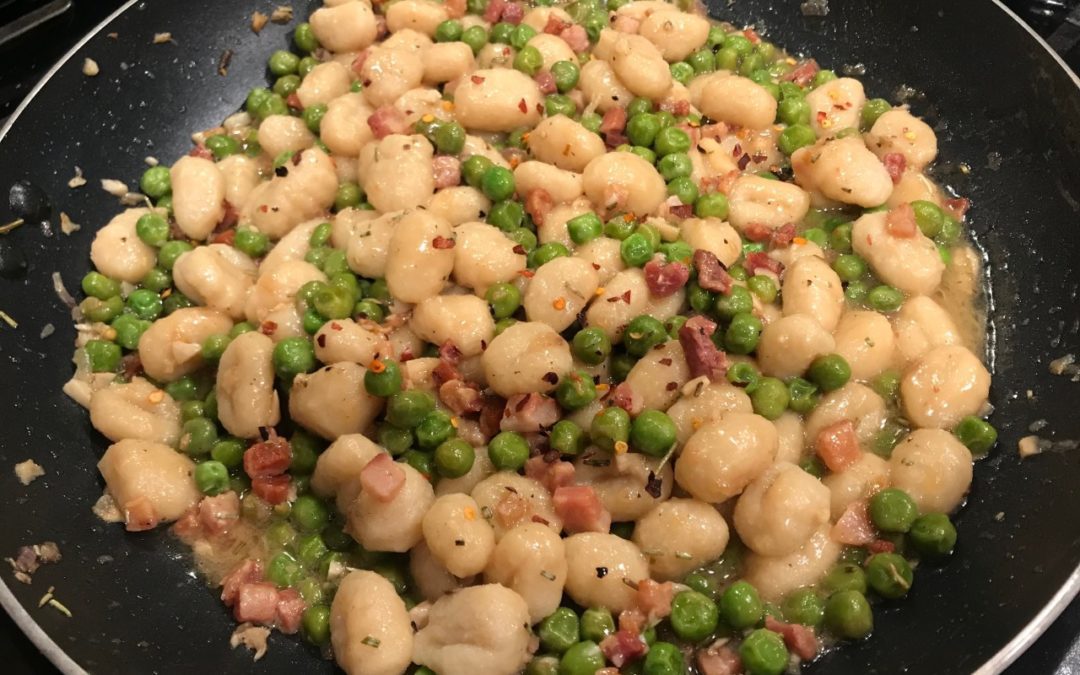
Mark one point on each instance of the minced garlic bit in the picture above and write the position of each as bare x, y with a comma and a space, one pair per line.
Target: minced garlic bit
258, 22
252, 637
55, 604
162, 38
621, 447
67, 225
106, 509
1029, 445
6, 318
8, 227
77, 181
29, 471
150, 160
1060, 365
90, 67
114, 187
282, 14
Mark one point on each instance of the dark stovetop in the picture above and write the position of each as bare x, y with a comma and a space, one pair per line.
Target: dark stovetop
26, 58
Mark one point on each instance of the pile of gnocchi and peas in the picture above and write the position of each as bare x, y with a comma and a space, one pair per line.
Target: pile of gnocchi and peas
461, 347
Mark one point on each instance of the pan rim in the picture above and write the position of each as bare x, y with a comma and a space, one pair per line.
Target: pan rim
996, 664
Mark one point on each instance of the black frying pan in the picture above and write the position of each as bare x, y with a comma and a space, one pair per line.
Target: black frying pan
1001, 104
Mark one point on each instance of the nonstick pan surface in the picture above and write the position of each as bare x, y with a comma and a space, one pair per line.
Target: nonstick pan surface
1007, 116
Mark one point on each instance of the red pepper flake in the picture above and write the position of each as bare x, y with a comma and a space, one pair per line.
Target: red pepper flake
476, 79
268, 327
523, 106
335, 326
528, 274
672, 386
743, 162
264, 208
442, 243
665, 361
737, 150
551, 377
596, 267
519, 249
626, 297
321, 340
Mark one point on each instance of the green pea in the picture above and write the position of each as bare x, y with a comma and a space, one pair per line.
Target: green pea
313, 115
805, 606
566, 438
951, 229
281, 535
348, 195
763, 653
529, 60
129, 329
104, 356
214, 346
849, 267
763, 286
872, 110
821, 77
845, 576
676, 165
620, 227
702, 583
652, 433
726, 58
702, 61
476, 37
742, 335
559, 630
619, 366
228, 452
508, 451
566, 74
711, 205
384, 381
639, 105
892, 510
283, 62
977, 434
251, 243
198, 436
293, 356
524, 238
540, 665
643, 333
175, 301
769, 397
435, 427
928, 216
610, 426
519, 40
794, 137
933, 535
504, 299
421, 461
737, 301
545, 253
889, 575
503, 324
284, 570
671, 139
584, 658
497, 183
584, 228
448, 31
818, 236
507, 215
741, 606
651, 234
370, 310
189, 410
802, 395
306, 65
677, 251
222, 146
559, 104
885, 298
848, 615
694, 616
829, 372
591, 121
474, 168
701, 300
395, 440
309, 514
596, 624
575, 390
103, 311
170, 251
155, 182
450, 138
304, 38
184, 389
152, 229
664, 658
682, 72
840, 238
793, 111
641, 129
157, 280
454, 458
635, 250
501, 33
